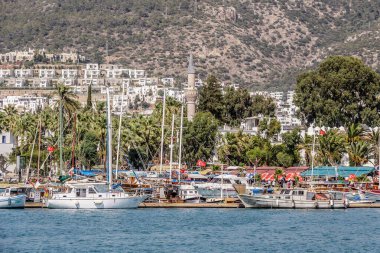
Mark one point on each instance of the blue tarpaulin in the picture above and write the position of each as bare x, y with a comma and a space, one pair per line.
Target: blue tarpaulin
343, 171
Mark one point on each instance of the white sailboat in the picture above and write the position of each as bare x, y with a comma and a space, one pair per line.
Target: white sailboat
96, 195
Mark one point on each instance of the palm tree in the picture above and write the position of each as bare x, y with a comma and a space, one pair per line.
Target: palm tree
11, 122
331, 148
306, 145
373, 138
67, 101
358, 152
355, 132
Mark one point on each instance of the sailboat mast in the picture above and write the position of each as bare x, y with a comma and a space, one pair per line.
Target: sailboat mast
39, 152
312, 157
109, 140
162, 130
60, 138
73, 142
180, 147
171, 149
119, 132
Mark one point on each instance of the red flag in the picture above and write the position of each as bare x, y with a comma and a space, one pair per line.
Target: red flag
321, 132
201, 163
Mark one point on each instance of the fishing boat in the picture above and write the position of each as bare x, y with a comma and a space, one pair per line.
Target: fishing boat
294, 198
93, 196
9, 198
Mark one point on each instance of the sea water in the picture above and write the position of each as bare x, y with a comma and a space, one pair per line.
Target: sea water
190, 230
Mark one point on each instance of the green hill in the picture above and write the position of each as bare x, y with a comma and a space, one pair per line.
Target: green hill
261, 44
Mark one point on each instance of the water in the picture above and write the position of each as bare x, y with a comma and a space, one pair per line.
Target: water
189, 230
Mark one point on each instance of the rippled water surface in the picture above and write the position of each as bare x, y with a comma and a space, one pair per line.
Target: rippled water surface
190, 230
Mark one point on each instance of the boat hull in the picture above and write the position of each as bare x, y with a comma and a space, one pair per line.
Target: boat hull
98, 203
266, 201
12, 202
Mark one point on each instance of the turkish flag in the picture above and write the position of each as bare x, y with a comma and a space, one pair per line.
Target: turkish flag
321, 132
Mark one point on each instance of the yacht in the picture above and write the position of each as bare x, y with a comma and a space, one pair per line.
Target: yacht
294, 198
9, 198
93, 196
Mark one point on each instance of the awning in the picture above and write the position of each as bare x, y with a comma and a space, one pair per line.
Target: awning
343, 171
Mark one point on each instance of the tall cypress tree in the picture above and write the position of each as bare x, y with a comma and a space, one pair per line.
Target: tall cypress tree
89, 98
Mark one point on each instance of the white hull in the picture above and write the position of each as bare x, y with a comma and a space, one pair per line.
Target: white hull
12, 202
267, 201
96, 203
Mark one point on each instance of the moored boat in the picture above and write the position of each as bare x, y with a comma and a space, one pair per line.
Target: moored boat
93, 196
294, 198
10, 199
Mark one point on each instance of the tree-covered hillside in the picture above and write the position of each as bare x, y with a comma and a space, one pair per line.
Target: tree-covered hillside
260, 43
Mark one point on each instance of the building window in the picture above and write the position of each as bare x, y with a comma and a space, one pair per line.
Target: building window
3, 139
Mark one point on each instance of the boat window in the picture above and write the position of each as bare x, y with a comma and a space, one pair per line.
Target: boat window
101, 188
282, 191
2, 190
91, 190
300, 193
287, 192
310, 196
295, 193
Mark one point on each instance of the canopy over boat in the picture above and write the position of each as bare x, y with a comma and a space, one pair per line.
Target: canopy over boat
343, 171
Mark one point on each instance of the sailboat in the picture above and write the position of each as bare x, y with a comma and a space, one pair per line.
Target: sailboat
96, 195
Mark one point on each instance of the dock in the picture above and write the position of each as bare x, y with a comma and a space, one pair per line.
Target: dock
364, 205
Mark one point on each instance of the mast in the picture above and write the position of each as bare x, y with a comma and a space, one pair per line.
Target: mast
39, 152
73, 142
378, 175
221, 185
109, 144
60, 138
312, 157
162, 130
171, 149
31, 156
119, 132
180, 147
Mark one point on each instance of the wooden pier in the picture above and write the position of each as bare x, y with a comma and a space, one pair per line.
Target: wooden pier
364, 205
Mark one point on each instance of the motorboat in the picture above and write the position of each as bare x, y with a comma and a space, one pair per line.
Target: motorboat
294, 198
359, 197
9, 198
189, 194
93, 196
222, 183
373, 195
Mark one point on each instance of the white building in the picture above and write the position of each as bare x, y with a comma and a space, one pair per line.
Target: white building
46, 73
23, 73
6, 73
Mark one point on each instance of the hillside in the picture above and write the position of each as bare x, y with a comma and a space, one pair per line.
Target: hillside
261, 44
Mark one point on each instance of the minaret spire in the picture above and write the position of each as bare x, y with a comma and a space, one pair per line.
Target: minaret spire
191, 92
